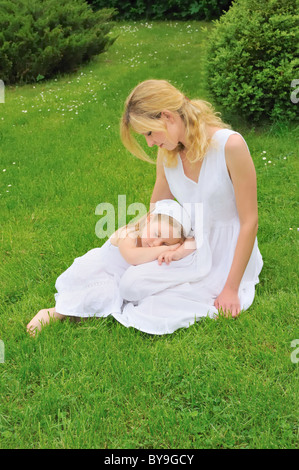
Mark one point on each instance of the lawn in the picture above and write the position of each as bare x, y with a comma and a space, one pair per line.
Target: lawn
95, 384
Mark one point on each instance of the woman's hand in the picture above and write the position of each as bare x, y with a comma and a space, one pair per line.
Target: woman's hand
228, 301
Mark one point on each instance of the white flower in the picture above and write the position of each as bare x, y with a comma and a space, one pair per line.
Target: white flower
269, 161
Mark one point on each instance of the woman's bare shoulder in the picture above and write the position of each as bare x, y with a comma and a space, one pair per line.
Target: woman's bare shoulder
238, 159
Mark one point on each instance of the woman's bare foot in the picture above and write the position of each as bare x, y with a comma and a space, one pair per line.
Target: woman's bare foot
42, 318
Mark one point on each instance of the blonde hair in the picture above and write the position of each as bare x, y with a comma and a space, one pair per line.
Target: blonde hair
143, 109
136, 228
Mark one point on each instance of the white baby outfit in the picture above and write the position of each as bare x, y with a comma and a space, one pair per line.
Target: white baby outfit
90, 286
159, 299
167, 297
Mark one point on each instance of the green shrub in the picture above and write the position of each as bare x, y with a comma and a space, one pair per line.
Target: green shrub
39, 38
165, 9
252, 59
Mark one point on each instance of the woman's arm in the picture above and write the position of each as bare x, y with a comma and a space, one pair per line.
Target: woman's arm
138, 255
243, 176
161, 189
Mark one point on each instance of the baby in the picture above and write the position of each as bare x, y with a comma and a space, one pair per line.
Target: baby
90, 286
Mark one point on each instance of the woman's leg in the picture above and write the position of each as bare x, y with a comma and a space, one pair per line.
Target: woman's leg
143, 280
42, 318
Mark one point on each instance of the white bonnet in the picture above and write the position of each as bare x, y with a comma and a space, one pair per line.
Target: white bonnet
176, 211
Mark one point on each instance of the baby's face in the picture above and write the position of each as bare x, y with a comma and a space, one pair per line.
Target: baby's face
157, 233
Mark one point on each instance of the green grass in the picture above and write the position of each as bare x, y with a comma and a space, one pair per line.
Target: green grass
95, 384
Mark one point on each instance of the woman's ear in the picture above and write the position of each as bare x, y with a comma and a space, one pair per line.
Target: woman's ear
167, 115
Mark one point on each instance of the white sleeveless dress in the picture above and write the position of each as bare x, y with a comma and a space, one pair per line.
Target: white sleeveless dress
161, 299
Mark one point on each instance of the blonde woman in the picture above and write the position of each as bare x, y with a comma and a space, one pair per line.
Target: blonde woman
200, 160
89, 287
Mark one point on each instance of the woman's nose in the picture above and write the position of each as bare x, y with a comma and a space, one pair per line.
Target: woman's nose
149, 140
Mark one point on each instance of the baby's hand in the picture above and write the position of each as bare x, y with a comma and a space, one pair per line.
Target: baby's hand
170, 255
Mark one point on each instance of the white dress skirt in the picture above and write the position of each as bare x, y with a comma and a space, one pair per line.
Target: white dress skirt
90, 286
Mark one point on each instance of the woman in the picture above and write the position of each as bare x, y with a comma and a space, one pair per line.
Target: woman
200, 161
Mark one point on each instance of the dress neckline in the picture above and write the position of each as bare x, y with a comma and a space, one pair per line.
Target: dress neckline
184, 174
201, 168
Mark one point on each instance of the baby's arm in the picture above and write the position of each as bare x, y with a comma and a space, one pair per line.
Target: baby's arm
138, 255
182, 251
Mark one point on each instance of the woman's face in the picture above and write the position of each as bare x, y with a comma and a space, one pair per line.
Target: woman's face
157, 233
161, 139
168, 140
